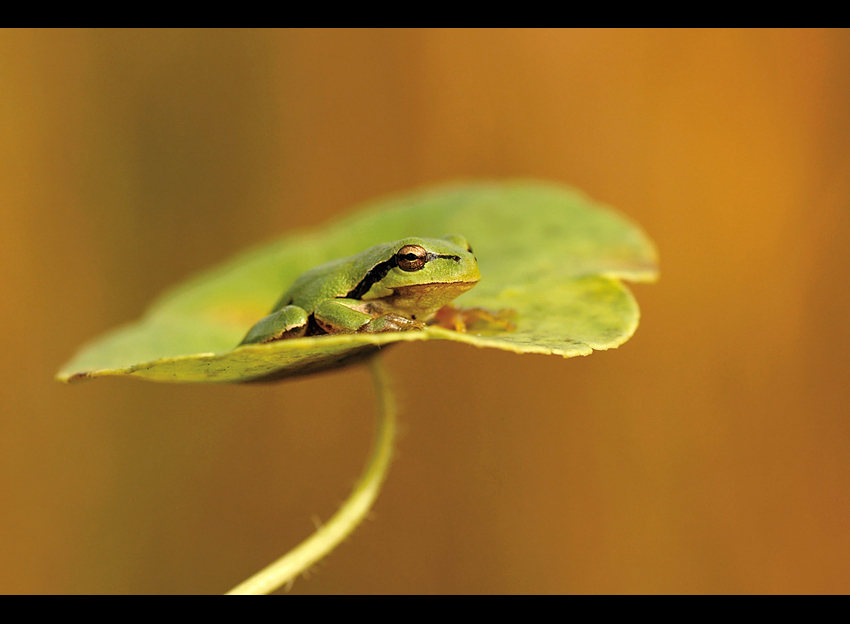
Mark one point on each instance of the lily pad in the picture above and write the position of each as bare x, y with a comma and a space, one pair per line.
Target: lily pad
546, 252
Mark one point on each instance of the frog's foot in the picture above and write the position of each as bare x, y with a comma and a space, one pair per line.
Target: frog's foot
289, 322
390, 323
475, 320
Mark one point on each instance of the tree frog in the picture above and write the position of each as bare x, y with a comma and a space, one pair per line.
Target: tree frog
395, 286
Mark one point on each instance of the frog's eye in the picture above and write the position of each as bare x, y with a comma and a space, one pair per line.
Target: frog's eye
411, 258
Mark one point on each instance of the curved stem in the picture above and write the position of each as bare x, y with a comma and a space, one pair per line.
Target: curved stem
354, 509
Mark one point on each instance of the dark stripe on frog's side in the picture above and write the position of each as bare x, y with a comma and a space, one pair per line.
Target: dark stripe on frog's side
380, 270
375, 274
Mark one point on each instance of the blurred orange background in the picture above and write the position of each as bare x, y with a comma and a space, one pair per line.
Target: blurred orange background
711, 453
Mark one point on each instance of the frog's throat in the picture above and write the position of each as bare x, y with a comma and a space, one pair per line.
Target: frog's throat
420, 300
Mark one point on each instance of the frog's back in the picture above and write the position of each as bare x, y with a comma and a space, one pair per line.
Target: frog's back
331, 280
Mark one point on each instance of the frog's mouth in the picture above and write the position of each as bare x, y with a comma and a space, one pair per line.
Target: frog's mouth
424, 299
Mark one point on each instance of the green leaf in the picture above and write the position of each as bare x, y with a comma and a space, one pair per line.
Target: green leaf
547, 252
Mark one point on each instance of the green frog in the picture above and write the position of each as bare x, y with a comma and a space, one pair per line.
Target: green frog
396, 286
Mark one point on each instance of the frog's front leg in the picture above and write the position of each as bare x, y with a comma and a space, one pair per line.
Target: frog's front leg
288, 322
347, 316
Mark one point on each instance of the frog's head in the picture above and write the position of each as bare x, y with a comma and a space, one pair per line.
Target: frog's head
447, 260
424, 274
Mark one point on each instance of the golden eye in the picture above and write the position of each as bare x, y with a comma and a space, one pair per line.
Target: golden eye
411, 258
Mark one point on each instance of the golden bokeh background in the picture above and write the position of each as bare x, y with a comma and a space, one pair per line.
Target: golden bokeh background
711, 453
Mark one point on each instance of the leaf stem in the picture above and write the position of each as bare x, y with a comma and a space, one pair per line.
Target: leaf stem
354, 509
